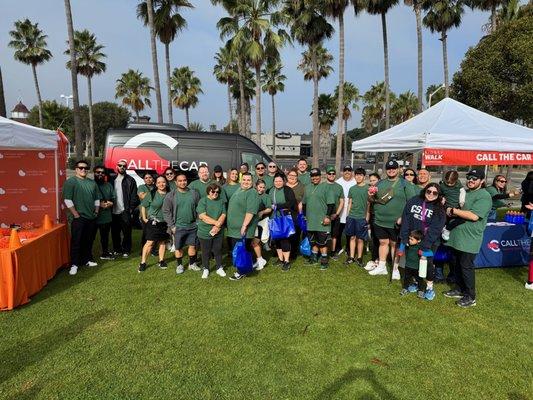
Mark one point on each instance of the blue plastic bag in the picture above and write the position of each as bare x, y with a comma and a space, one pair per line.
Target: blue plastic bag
305, 247
242, 258
443, 254
281, 226
302, 222
530, 226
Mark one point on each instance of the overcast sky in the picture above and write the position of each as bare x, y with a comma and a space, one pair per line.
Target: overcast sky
127, 46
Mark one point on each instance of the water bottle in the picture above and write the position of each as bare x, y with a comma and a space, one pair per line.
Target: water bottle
423, 268
401, 261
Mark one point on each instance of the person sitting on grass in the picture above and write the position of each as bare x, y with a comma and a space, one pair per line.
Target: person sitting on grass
155, 228
411, 281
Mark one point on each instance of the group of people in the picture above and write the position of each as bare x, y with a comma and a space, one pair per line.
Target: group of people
403, 217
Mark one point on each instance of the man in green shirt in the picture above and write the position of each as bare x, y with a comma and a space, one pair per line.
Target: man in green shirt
358, 216
104, 219
319, 204
423, 178
467, 237
303, 175
146, 187
82, 199
337, 192
203, 181
179, 211
260, 173
389, 202
242, 218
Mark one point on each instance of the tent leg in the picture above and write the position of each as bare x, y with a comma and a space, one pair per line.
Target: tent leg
57, 185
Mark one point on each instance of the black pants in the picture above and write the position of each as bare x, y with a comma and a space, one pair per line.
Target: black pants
121, 226
81, 240
211, 246
411, 275
104, 230
463, 270
283, 244
374, 245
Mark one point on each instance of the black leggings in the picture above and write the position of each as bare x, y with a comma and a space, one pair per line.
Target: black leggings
283, 244
410, 276
211, 246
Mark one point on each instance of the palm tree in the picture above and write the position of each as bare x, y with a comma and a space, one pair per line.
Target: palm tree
442, 15
29, 43
248, 89
168, 22
196, 127
350, 99
417, 7
134, 89
185, 90
381, 7
74, 78
151, 22
273, 83
224, 71
488, 5
89, 63
374, 107
327, 113
405, 107
309, 27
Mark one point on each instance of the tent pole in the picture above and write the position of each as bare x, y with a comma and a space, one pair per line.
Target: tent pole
57, 185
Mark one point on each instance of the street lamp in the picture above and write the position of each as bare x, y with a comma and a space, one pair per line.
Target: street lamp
67, 98
431, 95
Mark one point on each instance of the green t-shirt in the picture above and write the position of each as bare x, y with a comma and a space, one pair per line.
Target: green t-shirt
186, 210
83, 193
299, 191
468, 236
230, 189
496, 203
172, 185
451, 193
337, 192
316, 200
359, 196
277, 196
107, 192
201, 188
269, 182
241, 203
145, 188
386, 215
304, 179
154, 207
412, 259
265, 201
213, 209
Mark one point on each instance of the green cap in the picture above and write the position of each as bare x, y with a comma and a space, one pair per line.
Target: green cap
330, 169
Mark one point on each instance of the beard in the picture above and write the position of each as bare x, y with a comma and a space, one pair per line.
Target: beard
99, 179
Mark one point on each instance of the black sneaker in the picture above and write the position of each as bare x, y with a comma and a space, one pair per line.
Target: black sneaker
162, 264
359, 262
466, 301
323, 263
334, 256
350, 261
142, 267
107, 256
286, 266
453, 294
312, 260
236, 276
278, 263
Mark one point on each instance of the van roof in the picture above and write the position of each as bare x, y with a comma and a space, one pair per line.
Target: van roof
163, 127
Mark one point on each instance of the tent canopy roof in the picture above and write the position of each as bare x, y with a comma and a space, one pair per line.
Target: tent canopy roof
16, 135
450, 124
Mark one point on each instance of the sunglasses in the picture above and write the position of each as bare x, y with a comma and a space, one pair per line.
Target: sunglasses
502, 181
331, 173
84, 168
260, 168
315, 176
271, 166
215, 191
472, 178
169, 174
409, 174
432, 192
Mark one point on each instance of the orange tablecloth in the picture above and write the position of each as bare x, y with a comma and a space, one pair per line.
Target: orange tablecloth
26, 270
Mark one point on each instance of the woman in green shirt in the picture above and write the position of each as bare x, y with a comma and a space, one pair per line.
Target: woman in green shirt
232, 184
298, 189
498, 192
155, 228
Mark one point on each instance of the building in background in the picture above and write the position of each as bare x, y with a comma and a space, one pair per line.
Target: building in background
20, 113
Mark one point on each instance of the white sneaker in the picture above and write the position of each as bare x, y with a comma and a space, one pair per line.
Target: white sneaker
379, 271
395, 274
171, 247
370, 265
180, 269
205, 274
194, 267
91, 264
221, 272
261, 262
73, 270
529, 286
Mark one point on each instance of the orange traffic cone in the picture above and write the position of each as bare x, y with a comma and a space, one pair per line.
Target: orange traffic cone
14, 240
47, 223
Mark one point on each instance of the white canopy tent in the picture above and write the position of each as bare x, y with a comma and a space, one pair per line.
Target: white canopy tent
450, 125
16, 135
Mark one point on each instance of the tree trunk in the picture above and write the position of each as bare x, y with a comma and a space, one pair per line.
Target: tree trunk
493, 23
273, 128
169, 89
258, 103
315, 142
187, 117
3, 112
386, 59
74, 78
137, 115
91, 126
346, 140
340, 125
445, 60
248, 118
157, 85
39, 100
418, 13
230, 105
241, 98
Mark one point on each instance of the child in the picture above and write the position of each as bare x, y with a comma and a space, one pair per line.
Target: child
412, 261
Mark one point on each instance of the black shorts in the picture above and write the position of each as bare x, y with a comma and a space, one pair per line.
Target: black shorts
320, 239
336, 230
185, 237
155, 232
386, 233
357, 227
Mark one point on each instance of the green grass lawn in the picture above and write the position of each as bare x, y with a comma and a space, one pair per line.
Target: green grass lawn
112, 333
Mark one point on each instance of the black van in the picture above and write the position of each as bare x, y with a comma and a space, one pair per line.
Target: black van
154, 147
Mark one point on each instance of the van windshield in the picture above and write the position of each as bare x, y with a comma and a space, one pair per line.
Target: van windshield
252, 159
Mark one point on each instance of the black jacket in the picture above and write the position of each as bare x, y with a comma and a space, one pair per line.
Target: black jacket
412, 220
290, 202
129, 192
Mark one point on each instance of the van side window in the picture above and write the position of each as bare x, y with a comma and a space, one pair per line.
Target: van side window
252, 159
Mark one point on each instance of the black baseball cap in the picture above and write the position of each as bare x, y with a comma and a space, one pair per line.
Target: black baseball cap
315, 172
347, 168
477, 172
217, 168
360, 171
392, 164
